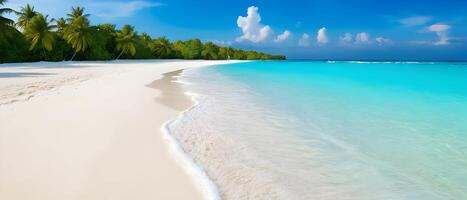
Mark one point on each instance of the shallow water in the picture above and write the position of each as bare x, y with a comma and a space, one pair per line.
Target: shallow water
329, 130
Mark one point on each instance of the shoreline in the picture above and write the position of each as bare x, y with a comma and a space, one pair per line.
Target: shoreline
209, 188
172, 88
93, 138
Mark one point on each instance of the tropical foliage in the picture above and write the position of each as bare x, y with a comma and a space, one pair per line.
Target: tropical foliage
76, 13
5, 23
126, 40
38, 32
75, 38
3, 20
78, 34
161, 47
61, 26
25, 16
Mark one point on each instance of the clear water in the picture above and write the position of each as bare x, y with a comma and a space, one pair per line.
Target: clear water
329, 130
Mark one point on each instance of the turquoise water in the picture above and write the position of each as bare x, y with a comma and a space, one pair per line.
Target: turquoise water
330, 130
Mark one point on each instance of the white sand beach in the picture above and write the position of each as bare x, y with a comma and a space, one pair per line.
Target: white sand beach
91, 130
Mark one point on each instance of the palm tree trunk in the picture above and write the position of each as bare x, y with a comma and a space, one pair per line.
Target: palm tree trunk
121, 53
73, 56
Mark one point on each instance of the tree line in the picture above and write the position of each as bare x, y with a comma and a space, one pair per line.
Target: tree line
36, 37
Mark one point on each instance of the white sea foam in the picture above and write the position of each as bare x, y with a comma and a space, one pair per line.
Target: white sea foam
202, 181
204, 184
388, 62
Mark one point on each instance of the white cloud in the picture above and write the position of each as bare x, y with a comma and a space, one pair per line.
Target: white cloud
252, 28
283, 37
439, 27
442, 31
362, 37
422, 42
347, 38
222, 43
382, 41
111, 9
322, 37
415, 21
304, 40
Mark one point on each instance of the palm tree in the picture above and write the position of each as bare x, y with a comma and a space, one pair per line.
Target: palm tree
76, 13
78, 35
223, 53
39, 31
110, 28
25, 15
3, 20
145, 37
5, 23
126, 39
161, 47
210, 51
61, 25
192, 49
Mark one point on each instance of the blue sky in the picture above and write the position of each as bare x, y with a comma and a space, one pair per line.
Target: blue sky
314, 29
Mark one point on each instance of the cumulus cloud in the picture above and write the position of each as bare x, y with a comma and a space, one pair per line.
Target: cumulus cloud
362, 37
442, 31
346, 38
322, 37
252, 28
382, 41
283, 37
304, 40
415, 21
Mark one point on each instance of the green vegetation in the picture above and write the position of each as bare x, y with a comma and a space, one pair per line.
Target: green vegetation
25, 16
78, 34
39, 33
74, 38
126, 40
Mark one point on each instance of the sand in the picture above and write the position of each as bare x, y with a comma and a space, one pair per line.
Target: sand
92, 130
170, 91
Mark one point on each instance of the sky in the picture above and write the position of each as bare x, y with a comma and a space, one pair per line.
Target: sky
299, 29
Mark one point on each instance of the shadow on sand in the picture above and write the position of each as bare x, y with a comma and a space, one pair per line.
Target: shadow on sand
21, 74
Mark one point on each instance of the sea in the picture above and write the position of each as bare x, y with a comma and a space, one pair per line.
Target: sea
328, 130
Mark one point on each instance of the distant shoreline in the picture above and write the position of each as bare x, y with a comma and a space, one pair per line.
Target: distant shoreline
123, 61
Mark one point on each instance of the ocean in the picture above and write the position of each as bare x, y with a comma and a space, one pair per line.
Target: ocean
329, 130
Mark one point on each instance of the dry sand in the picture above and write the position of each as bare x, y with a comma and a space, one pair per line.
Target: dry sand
91, 130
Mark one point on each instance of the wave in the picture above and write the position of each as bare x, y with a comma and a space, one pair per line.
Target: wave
381, 62
388, 62
207, 187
